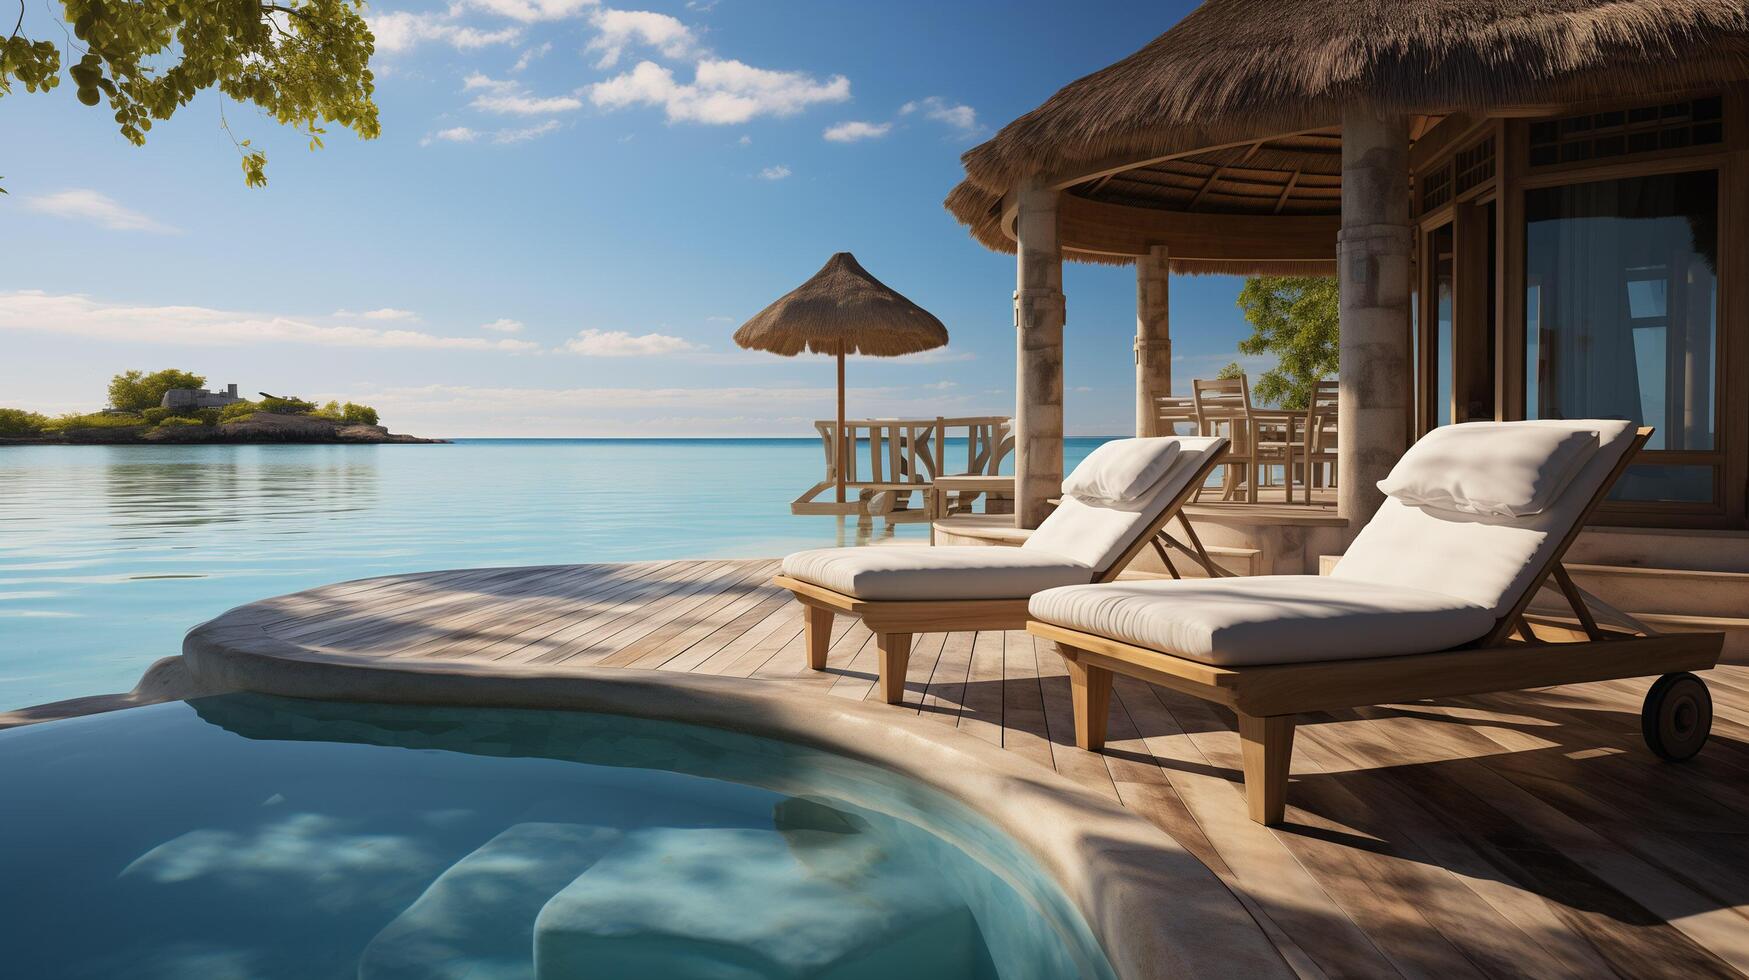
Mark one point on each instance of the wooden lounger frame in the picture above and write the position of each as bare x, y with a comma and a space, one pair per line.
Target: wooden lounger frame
1266, 698
895, 622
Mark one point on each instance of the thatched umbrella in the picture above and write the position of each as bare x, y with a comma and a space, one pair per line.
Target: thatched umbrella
842, 310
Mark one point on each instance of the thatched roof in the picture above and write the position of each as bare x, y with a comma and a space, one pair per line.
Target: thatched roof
1239, 70
843, 308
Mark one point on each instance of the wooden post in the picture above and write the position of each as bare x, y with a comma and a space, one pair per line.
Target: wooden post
1153, 339
1038, 390
1372, 260
845, 446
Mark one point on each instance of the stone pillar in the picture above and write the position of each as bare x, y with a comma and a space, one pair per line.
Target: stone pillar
1153, 338
1373, 270
1038, 389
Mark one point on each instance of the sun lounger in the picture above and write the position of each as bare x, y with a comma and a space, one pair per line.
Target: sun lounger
1114, 504
1427, 602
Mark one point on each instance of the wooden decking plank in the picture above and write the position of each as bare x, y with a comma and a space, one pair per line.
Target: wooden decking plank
947, 685
552, 639
614, 614
648, 617
769, 604
319, 604
1023, 708
395, 597
1450, 844
1263, 865
543, 615
1543, 851
451, 628
791, 663
855, 679
981, 700
699, 621
786, 620
925, 653
1581, 712
1086, 768
489, 621
785, 642
1150, 754
1173, 751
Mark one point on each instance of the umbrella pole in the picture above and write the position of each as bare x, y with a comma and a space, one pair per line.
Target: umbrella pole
844, 445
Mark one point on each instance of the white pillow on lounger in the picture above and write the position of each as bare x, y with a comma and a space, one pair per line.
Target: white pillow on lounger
1498, 469
1122, 469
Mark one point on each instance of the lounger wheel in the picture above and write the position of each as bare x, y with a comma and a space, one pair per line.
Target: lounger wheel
1677, 716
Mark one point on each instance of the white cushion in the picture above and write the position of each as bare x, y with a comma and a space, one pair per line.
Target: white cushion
1122, 469
962, 572
1481, 558
1503, 469
1267, 619
1096, 532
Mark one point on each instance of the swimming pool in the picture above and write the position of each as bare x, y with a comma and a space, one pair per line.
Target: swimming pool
252, 836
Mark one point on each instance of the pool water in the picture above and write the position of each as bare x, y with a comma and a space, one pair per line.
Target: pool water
108, 554
251, 836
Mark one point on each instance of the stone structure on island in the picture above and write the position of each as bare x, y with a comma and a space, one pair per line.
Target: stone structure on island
199, 398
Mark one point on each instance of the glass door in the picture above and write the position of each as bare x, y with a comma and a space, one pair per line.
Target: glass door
1621, 321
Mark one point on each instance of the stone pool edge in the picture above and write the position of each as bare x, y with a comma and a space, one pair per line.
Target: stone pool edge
1156, 910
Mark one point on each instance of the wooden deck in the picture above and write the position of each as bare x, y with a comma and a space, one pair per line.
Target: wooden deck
1526, 834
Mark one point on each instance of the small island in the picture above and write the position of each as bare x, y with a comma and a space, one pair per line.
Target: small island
174, 407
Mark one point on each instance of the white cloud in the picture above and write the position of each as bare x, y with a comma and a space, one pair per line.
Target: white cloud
962, 118
510, 97
619, 343
530, 11
778, 172
745, 140
83, 204
850, 132
503, 325
722, 92
402, 31
526, 133
73, 315
455, 134
530, 55
619, 29
463, 134
384, 313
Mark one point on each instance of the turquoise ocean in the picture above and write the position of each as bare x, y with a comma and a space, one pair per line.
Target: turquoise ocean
108, 554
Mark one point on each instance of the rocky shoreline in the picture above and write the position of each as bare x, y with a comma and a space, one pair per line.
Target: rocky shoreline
261, 427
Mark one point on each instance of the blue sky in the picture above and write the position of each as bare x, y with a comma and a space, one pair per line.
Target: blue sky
571, 207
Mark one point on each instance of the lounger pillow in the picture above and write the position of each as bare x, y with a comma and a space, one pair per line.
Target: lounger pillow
1496, 469
1122, 469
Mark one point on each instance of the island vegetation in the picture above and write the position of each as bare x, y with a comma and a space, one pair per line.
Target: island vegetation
139, 412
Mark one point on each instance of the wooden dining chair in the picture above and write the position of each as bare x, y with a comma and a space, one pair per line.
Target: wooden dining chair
1319, 453
1223, 408
1174, 412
